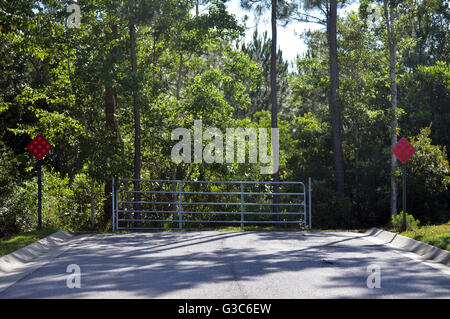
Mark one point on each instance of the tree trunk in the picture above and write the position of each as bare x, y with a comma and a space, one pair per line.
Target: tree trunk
333, 98
111, 126
392, 44
137, 121
92, 204
274, 100
177, 116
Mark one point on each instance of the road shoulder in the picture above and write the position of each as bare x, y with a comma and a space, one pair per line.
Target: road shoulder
24, 261
426, 251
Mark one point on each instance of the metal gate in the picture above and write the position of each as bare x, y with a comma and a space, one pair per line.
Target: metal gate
177, 204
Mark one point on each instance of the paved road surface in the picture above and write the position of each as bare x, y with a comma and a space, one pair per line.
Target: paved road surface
220, 265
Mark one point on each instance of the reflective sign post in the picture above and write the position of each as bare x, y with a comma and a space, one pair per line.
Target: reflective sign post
403, 150
404, 195
39, 169
39, 147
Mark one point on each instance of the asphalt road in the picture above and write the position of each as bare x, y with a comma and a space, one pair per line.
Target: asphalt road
212, 264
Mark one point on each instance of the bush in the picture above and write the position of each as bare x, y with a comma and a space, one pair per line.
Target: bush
427, 179
397, 222
66, 204
14, 213
329, 209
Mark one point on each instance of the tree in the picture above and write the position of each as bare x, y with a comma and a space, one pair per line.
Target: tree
110, 95
171, 62
392, 47
259, 50
335, 109
274, 99
329, 9
279, 10
136, 115
427, 23
391, 21
424, 97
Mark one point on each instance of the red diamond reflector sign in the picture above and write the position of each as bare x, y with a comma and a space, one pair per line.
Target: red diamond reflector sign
39, 147
403, 150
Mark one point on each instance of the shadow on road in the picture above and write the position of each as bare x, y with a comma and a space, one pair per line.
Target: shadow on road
159, 264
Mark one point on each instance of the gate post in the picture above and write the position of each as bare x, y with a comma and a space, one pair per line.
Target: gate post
242, 206
113, 201
309, 201
116, 204
180, 205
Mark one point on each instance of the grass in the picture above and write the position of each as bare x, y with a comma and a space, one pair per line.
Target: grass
12, 243
250, 228
436, 235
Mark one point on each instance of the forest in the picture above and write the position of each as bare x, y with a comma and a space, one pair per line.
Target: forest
106, 82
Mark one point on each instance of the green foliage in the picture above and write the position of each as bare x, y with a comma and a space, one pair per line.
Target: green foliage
428, 178
330, 209
259, 50
192, 66
8, 244
436, 235
425, 98
364, 94
397, 222
10, 201
66, 204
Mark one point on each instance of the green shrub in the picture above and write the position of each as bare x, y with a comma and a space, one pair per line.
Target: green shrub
329, 209
16, 212
15, 215
428, 179
66, 204
397, 222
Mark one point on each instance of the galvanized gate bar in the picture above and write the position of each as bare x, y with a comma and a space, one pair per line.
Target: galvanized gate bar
212, 203
181, 201
206, 221
207, 212
207, 182
216, 193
